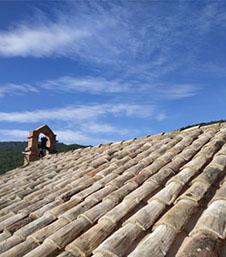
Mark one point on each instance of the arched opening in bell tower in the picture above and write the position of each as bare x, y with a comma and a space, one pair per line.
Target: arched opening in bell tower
33, 149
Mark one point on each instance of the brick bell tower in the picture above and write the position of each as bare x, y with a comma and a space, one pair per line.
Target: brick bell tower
31, 151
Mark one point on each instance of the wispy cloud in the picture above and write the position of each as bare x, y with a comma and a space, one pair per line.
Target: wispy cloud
124, 49
138, 38
105, 129
81, 124
39, 40
102, 85
126, 34
98, 36
174, 92
133, 110
63, 114
88, 84
87, 133
99, 128
13, 134
78, 113
212, 16
71, 136
161, 116
66, 136
16, 89
102, 36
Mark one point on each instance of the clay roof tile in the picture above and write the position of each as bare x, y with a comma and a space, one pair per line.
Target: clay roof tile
130, 198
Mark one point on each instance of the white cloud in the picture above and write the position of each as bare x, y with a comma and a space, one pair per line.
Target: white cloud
68, 136
16, 89
136, 110
65, 136
99, 128
97, 35
78, 137
77, 113
63, 114
161, 116
141, 38
211, 17
13, 135
39, 40
89, 84
124, 35
83, 135
101, 85
87, 120
174, 92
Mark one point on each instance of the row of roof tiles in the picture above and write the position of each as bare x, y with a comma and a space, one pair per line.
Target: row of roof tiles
132, 198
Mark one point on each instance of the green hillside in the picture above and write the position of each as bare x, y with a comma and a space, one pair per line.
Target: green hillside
203, 124
11, 153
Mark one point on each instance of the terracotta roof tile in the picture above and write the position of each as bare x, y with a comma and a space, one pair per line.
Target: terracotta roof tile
162, 195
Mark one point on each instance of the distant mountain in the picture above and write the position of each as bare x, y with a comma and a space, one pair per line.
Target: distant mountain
11, 153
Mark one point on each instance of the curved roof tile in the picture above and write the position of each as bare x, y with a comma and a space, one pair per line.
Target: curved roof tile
161, 195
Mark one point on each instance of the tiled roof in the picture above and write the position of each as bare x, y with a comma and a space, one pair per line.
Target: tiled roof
162, 195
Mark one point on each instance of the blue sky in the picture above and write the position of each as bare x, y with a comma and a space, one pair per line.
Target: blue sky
102, 71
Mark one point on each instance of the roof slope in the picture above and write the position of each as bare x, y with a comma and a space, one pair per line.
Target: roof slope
162, 195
